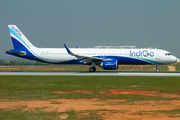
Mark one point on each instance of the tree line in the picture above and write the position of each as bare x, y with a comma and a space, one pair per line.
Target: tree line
23, 63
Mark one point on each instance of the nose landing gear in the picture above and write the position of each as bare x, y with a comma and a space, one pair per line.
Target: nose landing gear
157, 69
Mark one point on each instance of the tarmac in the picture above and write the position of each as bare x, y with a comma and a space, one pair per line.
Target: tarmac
63, 73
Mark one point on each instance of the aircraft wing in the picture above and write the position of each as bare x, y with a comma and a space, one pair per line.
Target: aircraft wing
85, 58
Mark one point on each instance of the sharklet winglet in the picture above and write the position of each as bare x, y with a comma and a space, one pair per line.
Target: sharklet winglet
69, 52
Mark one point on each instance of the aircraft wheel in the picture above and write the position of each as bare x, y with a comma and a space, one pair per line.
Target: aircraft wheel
92, 69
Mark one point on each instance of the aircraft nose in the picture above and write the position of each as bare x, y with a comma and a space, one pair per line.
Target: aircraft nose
174, 59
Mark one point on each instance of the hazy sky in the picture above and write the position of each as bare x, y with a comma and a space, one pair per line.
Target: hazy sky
83, 23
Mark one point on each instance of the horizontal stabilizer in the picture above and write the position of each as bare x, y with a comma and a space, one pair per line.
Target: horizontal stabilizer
22, 53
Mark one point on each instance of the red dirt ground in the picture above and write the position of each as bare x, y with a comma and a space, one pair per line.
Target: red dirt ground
146, 93
9, 68
172, 68
121, 109
113, 92
111, 109
108, 109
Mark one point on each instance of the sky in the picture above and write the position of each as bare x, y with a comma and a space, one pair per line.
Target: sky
89, 23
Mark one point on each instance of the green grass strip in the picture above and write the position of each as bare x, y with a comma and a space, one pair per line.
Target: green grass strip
42, 87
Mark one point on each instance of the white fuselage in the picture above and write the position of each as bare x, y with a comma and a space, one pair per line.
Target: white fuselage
149, 56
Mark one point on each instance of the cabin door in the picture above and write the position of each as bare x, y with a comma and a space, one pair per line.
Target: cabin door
158, 55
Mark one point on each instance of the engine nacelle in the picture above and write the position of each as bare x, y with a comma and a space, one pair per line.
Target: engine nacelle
109, 65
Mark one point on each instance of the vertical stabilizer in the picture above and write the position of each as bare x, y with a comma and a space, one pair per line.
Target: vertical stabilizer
18, 38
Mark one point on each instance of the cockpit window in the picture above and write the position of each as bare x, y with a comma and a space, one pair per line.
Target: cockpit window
168, 54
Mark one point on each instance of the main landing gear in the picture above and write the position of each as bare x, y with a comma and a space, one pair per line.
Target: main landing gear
92, 68
157, 69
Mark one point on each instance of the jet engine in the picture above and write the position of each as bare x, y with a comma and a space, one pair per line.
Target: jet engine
109, 65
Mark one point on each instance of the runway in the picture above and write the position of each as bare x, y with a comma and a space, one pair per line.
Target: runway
37, 73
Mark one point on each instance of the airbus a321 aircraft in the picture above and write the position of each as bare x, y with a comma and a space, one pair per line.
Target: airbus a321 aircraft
108, 59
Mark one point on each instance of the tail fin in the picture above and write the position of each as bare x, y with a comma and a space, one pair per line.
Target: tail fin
18, 38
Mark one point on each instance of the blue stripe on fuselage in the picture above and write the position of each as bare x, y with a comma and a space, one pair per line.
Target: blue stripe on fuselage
130, 60
120, 59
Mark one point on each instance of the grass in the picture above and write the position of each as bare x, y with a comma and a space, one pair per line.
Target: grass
177, 67
42, 87
15, 88
171, 113
18, 114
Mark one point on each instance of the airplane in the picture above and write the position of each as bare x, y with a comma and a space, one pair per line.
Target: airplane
108, 59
